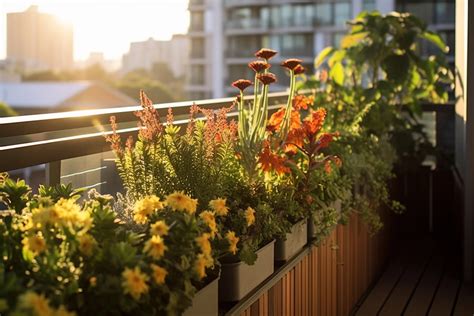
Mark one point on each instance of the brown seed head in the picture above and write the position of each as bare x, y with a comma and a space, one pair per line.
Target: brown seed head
267, 78
242, 84
291, 63
259, 65
265, 53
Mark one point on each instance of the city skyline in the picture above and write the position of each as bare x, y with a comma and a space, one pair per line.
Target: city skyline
147, 19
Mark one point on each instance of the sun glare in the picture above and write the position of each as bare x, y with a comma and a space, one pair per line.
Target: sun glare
109, 26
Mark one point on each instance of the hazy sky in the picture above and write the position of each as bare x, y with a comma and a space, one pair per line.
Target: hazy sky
107, 26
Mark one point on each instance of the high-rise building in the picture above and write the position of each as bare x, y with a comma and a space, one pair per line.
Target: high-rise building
143, 55
224, 34
39, 41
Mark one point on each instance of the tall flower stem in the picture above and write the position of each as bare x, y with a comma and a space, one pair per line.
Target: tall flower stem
286, 120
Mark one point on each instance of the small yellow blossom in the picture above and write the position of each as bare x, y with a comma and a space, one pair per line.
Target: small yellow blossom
209, 218
159, 274
35, 244
159, 228
179, 201
87, 244
62, 311
218, 205
45, 215
37, 303
233, 240
204, 244
145, 207
200, 265
134, 282
93, 281
250, 216
155, 247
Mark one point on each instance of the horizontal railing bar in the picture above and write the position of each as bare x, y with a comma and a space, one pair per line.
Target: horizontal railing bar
40, 123
83, 172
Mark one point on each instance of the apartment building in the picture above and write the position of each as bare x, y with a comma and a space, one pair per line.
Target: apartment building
174, 52
224, 34
38, 41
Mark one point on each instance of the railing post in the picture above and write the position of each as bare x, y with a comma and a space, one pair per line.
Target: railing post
53, 173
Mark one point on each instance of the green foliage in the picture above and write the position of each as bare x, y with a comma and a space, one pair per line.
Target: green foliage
6, 111
373, 92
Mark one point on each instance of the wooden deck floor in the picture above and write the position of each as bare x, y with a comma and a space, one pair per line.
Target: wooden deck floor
422, 279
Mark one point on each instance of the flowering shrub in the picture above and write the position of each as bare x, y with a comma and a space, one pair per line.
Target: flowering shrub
62, 257
200, 162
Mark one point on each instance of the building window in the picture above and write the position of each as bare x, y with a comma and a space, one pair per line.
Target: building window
244, 46
368, 5
239, 72
197, 75
197, 21
197, 48
332, 12
432, 11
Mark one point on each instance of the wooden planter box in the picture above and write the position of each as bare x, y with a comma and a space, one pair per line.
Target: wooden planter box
205, 302
294, 241
238, 279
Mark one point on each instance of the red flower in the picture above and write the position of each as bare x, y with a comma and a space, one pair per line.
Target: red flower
242, 84
299, 70
291, 63
314, 122
265, 53
267, 78
270, 161
302, 102
259, 65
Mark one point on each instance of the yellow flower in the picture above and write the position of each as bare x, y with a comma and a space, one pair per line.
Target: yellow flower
200, 265
179, 201
72, 216
145, 207
219, 206
233, 240
35, 243
134, 282
159, 274
209, 218
159, 228
155, 247
38, 303
250, 216
87, 244
204, 244
62, 311
42, 216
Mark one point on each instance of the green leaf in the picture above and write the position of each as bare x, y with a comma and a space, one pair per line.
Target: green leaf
396, 67
435, 39
352, 39
336, 57
322, 56
337, 73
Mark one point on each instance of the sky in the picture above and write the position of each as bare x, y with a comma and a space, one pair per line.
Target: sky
107, 26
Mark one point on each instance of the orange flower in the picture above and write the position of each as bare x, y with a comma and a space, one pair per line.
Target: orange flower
291, 63
325, 139
299, 70
242, 84
314, 122
267, 78
294, 140
323, 76
265, 53
327, 167
275, 120
302, 102
259, 65
270, 161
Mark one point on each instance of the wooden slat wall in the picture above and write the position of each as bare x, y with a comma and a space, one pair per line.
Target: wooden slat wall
331, 279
